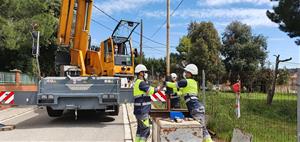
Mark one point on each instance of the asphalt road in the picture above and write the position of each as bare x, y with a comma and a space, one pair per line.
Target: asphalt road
90, 126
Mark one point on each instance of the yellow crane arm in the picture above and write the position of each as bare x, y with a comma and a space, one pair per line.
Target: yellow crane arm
65, 22
83, 12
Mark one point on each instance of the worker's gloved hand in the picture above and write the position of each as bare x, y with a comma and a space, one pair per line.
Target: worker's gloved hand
159, 87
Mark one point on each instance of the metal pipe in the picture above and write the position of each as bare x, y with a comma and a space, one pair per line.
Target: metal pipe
86, 15
38, 53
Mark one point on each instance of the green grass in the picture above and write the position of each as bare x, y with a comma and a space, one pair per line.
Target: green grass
276, 123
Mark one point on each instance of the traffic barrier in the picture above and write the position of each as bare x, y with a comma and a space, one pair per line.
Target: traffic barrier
159, 96
7, 97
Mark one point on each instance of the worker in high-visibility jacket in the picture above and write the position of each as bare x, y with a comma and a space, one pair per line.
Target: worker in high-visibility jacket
189, 88
175, 98
142, 103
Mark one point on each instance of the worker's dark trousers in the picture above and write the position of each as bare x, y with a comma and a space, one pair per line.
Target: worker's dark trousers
175, 102
143, 129
197, 111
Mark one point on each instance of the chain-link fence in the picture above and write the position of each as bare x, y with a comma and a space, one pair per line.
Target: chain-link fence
266, 123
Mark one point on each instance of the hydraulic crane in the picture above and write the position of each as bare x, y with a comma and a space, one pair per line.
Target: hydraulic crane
116, 55
90, 79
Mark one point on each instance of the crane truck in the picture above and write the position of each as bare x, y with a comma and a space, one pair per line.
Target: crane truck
90, 78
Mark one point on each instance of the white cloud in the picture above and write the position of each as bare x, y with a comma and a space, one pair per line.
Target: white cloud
114, 6
175, 25
176, 34
250, 16
226, 2
280, 39
155, 14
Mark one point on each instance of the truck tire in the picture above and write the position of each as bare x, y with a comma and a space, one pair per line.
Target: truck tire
115, 112
54, 113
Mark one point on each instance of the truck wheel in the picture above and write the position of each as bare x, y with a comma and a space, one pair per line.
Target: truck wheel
54, 113
116, 111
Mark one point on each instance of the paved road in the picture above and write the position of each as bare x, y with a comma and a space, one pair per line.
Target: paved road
90, 126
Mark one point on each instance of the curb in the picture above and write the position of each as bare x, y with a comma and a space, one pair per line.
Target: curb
133, 122
127, 128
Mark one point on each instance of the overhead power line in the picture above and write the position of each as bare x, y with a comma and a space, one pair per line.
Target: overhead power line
108, 28
146, 46
105, 13
114, 19
164, 23
292, 63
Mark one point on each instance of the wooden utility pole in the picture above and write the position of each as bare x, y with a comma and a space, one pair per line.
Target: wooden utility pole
203, 87
168, 38
272, 91
141, 43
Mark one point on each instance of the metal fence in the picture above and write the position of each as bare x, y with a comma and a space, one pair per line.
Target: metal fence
266, 123
10, 78
27, 79
7, 78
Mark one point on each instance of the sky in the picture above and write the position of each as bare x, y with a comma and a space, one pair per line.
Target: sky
220, 12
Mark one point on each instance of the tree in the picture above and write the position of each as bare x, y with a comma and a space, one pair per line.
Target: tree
287, 15
158, 65
283, 77
243, 53
185, 45
271, 93
202, 46
16, 18
263, 80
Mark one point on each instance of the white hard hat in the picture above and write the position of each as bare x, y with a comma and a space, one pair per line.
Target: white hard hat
192, 68
139, 68
173, 76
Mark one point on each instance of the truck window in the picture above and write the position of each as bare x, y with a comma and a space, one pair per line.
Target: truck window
107, 52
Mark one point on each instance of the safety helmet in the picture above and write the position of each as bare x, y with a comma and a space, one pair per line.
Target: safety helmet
192, 68
139, 68
173, 76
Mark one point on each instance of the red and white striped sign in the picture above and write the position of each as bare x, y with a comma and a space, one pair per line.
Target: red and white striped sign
7, 97
159, 96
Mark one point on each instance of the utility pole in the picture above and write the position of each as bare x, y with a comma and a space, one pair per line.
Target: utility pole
152, 72
203, 87
141, 43
168, 38
272, 91
298, 104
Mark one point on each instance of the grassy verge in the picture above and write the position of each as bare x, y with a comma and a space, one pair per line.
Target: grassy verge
276, 123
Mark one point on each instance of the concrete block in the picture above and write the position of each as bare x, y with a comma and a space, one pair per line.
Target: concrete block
167, 131
239, 136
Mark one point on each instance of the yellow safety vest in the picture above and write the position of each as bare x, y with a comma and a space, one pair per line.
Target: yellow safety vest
136, 89
191, 87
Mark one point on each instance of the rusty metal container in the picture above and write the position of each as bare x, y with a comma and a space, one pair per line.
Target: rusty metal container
167, 131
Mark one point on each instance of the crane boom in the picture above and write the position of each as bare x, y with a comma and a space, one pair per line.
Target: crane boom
80, 42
